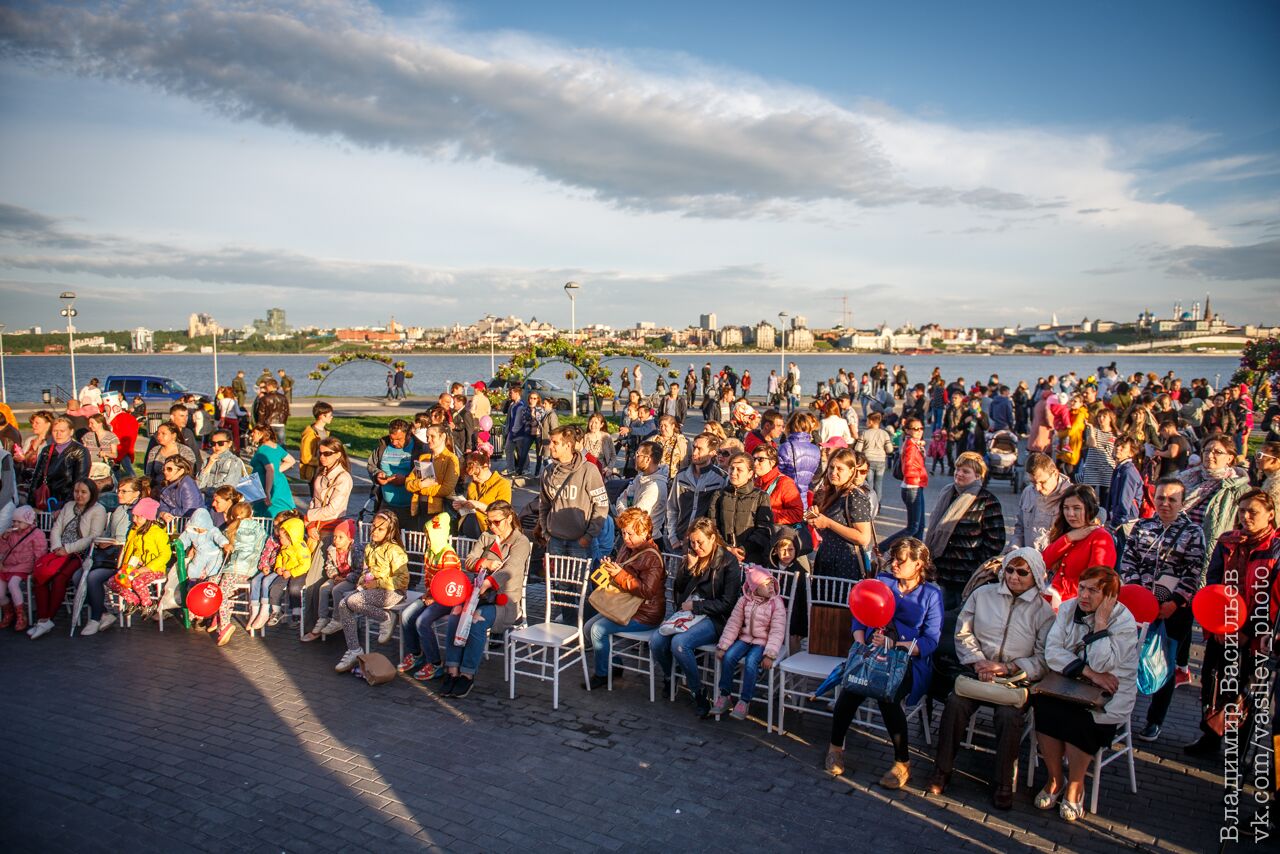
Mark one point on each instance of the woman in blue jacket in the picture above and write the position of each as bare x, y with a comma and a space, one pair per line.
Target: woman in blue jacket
916, 626
798, 457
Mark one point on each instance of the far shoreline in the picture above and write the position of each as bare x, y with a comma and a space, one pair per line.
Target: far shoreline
802, 354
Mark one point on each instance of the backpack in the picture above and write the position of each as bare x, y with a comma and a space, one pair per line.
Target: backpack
897, 462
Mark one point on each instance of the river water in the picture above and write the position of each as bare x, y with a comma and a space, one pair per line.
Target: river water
26, 376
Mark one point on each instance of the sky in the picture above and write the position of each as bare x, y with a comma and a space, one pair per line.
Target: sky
984, 164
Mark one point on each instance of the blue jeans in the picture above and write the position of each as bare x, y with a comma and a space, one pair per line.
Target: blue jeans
518, 454
472, 653
875, 478
936, 416
568, 548
421, 640
96, 588
260, 587
601, 630
682, 648
750, 654
913, 498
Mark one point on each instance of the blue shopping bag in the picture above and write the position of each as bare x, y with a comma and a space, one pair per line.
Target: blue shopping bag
1153, 660
875, 671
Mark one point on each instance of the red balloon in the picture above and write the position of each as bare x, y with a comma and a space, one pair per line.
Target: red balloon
204, 599
450, 587
871, 602
1141, 602
1218, 611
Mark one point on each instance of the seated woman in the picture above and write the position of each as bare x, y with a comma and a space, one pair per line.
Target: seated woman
143, 559
503, 551
330, 490
382, 585
708, 584
20, 547
180, 496
74, 529
247, 539
1077, 541
916, 626
965, 529
166, 444
1001, 631
484, 486
1093, 637
106, 554
638, 570
221, 502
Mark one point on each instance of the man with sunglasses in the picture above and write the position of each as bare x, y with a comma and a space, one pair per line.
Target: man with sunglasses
223, 467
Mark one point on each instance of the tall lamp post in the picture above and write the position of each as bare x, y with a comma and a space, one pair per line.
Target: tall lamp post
216, 330
782, 357
69, 312
4, 391
571, 289
493, 370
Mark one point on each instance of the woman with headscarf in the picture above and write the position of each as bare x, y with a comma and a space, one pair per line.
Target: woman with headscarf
965, 529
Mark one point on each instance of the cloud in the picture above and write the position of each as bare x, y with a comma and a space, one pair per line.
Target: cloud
704, 143
1232, 263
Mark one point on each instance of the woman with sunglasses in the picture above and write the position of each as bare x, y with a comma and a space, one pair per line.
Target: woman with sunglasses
1213, 487
166, 443
179, 497
330, 490
1001, 631
1269, 468
223, 467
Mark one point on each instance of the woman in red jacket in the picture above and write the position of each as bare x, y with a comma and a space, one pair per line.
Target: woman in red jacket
915, 477
1077, 541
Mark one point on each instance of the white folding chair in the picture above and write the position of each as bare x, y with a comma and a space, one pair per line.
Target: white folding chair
630, 650
1121, 747
126, 617
799, 673
868, 716
982, 725
545, 650
785, 582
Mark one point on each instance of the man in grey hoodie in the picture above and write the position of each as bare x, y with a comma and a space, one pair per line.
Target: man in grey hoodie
1038, 504
573, 503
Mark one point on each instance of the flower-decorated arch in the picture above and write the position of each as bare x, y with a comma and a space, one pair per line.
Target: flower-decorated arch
588, 373
326, 369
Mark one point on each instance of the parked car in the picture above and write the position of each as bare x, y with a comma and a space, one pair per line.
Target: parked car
158, 393
546, 389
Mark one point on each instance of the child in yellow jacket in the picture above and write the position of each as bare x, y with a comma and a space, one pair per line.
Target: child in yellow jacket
292, 564
144, 558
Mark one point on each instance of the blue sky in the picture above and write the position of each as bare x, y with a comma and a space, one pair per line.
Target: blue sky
965, 163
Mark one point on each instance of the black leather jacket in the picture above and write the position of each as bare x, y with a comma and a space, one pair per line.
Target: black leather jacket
61, 471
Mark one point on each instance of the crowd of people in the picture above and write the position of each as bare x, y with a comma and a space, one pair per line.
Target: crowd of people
1140, 480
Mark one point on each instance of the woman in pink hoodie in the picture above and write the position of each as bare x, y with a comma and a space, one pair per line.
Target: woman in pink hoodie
753, 635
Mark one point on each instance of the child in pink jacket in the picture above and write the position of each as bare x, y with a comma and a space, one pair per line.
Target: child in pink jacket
20, 547
754, 635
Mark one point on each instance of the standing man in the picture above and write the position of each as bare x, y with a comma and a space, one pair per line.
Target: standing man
181, 418
674, 405
389, 465
689, 496
574, 503
772, 387
261, 383
239, 389
1165, 555
1038, 505
398, 382
286, 385
691, 386
271, 409
1001, 413
706, 380
519, 432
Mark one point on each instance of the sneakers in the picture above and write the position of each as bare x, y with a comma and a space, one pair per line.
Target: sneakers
897, 775
388, 628
739, 712
1207, 746
410, 664
331, 628
90, 628
721, 705
1149, 733
108, 620
595, 683
276, 617
1181, 676
40, 629
225, 633
462, 687
834, 761
347, 661
446, 687
702, 704
318, 628
429, 672
259, 620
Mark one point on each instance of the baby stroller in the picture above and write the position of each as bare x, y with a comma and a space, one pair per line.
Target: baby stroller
1002, 458
936, 452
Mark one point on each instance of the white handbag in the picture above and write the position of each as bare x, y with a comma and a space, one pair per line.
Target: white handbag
680, 621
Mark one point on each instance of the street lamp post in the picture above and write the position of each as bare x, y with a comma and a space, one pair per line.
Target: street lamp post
493, 370
570, 288
215, 363
4, 390
69, 312
782, 357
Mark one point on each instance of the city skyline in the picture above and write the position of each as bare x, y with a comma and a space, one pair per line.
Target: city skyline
346, 161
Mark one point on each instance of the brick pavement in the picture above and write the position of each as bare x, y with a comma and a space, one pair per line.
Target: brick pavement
142, 742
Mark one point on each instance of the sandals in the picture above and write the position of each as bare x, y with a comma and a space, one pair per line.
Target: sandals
1047, 800
1071, 811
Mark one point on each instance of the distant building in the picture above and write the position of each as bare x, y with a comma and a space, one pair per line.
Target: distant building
799, 322
274, 324
707, 321
367, 336
800, 339
200, 325
765, 336
141, 340
731, 336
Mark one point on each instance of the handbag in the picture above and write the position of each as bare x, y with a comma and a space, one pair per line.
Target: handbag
376, 668
1074, 691
876, 671
251, 489
42, 496
1153, 660
680, 621
611, 601
1008, 690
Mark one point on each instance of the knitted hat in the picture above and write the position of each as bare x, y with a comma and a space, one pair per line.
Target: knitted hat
24, 514
147, 508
